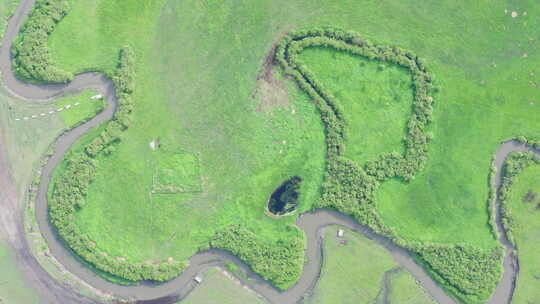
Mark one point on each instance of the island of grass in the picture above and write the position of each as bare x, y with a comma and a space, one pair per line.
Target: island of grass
201, 90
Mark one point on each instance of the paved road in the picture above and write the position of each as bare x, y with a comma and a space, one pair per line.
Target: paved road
174, 290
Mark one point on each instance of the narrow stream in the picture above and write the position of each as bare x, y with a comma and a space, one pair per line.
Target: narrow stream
178, 288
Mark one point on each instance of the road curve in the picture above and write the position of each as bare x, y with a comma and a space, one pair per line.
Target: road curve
178, 288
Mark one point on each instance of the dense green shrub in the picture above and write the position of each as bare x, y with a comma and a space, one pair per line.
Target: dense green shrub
472, 272
280, 263
71, 186
31, 57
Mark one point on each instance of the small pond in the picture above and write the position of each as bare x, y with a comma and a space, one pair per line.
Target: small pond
285, 198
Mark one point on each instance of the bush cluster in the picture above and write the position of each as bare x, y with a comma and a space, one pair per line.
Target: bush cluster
71, 186
513, 166
31, 56
471, 271
279, 263
529, 141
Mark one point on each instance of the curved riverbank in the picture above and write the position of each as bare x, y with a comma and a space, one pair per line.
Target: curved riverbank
176, 289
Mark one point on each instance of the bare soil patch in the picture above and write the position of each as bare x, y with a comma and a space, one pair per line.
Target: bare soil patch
270, 91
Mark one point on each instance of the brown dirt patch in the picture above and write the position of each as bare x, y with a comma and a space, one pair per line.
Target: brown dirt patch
270, 94
270, 91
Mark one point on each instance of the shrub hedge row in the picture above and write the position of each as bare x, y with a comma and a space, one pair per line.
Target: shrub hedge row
351, 189
514, 165
71, 186
348, 187
31, 57
279, 263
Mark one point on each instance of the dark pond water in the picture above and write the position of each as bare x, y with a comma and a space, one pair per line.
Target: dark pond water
285, 198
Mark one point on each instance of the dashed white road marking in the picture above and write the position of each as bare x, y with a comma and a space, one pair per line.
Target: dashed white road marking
66, 107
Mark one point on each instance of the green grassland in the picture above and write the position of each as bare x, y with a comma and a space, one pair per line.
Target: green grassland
27, 141
197, 71
526, 231
80, 108
13, 287
356, 271
7, 7
218, 288
404, 289
377, 100
243, 154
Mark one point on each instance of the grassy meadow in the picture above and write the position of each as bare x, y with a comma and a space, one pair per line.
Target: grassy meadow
524, 203
80, 108
27, 141
245, 146
376, 99
218, 288
404, 289
200, 89
7, 7
358, 270
13, 287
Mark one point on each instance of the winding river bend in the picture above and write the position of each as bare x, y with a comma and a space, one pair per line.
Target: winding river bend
176, 289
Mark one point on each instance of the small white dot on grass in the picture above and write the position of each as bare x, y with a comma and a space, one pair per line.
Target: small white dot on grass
51, 112
77, 103
60, 110
514, 14
25, 118
42, 114
17, 119
34, 116
68, 106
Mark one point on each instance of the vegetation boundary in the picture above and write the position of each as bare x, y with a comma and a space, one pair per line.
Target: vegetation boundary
343, 178
350, 188
347, 187
513, 166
